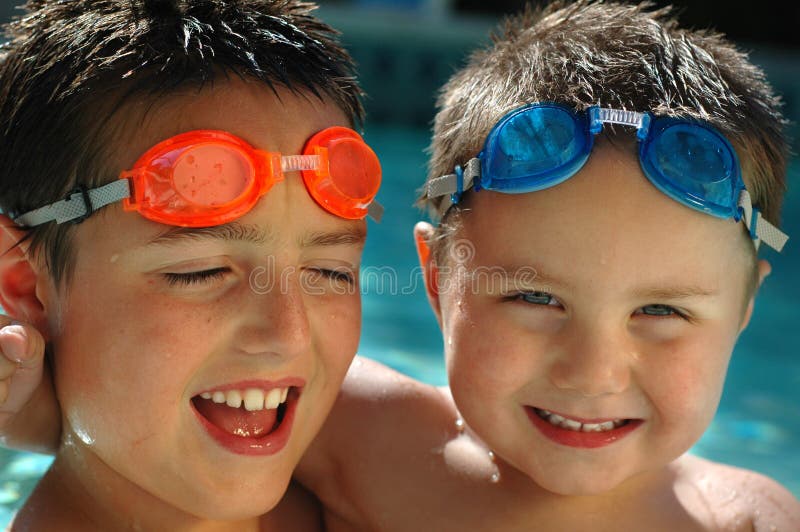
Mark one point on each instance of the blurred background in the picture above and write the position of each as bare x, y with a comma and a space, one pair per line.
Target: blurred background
405, 50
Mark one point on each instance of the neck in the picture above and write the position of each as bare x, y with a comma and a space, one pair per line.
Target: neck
80, 488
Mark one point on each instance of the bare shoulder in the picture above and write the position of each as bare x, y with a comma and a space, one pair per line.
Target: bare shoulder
383, 439
731, 498
370, 385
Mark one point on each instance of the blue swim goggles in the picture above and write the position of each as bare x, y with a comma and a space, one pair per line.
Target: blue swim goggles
543, 144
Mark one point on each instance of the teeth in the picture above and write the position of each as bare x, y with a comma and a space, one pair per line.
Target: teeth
273, 399
233, 399
252, 399
571, 424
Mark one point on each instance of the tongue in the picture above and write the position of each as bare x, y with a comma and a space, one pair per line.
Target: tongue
237, 421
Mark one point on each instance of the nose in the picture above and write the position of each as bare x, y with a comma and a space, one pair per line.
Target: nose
595, 360
276, 321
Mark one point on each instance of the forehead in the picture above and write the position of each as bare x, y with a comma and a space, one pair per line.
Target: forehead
609, 216
274, 119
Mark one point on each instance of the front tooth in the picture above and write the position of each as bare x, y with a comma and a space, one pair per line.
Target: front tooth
591, 427
608, 425
284, 393
233, 398
218, 397
253, 399
273, 399
571, 424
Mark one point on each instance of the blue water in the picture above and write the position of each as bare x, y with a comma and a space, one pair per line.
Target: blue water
757, 426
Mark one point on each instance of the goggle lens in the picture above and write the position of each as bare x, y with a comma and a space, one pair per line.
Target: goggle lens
354, 168
693, 164
211, 175
350, 177
536, 150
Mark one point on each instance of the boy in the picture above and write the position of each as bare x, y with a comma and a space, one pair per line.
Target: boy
177, 372
577, 390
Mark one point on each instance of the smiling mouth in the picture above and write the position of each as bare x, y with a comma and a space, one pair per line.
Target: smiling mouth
579, 426
247, 413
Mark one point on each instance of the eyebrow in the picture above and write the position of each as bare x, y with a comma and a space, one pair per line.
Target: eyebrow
233, 231
346, 237
672, 293
656, 293
539, 279
255, 234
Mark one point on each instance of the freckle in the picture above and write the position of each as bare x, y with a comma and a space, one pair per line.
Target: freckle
114, 257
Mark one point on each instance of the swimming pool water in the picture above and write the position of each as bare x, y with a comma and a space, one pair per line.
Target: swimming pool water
757, 425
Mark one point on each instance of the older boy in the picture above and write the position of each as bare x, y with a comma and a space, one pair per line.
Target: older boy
177, 379
578, 389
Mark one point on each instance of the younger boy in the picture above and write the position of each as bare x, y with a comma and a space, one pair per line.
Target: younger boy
176, 377
577, 389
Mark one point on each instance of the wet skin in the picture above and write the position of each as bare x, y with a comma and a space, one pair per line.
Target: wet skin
147, 323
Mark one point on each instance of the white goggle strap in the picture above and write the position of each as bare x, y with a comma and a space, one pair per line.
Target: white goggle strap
452, 185
78, 204
760, 229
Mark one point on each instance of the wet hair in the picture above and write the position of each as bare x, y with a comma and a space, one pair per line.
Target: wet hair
70, 65
623, 56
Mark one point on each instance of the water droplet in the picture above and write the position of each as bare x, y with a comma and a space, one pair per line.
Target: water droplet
495, 477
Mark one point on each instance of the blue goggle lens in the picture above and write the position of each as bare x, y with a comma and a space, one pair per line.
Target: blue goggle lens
535, 150
693, 165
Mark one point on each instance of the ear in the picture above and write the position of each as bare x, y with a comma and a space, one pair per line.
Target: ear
764, 269
423, 232
19, 278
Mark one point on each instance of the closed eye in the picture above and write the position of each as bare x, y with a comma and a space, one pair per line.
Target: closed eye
195, 278
340, 275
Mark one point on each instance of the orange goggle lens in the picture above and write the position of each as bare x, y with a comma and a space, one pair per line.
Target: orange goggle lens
206, 177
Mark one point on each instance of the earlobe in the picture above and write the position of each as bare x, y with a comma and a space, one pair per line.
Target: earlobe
423, 232
18, 278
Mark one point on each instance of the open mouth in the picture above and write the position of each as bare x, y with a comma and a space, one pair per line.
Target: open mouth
249, 420
586, 433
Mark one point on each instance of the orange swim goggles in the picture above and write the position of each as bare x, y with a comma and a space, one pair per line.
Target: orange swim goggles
206, 177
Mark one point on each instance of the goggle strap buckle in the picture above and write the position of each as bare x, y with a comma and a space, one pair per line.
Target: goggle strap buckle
78, 205
451, 186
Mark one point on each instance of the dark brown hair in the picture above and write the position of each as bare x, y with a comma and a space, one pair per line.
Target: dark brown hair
623, 56
69, 65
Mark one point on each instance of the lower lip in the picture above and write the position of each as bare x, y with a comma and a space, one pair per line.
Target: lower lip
573, 438
267, 445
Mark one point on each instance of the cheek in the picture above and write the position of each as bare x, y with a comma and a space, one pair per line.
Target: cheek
335, 329
488, 358
685, 382
128, 351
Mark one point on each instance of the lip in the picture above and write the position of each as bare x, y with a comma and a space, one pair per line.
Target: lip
584, 440
267, 445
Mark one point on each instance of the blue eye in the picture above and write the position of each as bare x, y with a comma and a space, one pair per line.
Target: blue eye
195, 278
659, 310
535, 298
